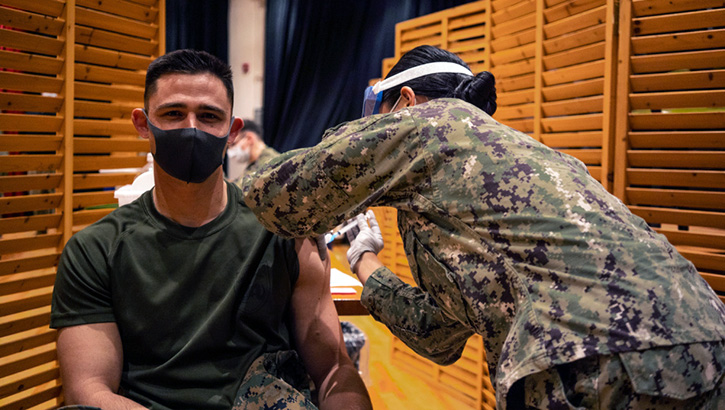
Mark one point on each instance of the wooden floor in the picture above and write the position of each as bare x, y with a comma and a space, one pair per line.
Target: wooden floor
391, 387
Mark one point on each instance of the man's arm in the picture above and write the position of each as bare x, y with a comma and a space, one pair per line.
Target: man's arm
318, 335
91, 358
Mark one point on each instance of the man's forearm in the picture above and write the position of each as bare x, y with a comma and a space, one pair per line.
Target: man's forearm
344, 389
105, 400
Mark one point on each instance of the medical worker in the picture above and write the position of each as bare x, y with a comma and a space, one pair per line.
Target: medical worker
580, 304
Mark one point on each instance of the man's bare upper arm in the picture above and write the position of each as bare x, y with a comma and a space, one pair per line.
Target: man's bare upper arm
319, 337
91, 358
317, 327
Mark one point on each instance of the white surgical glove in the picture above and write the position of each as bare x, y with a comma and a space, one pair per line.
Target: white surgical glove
368, 238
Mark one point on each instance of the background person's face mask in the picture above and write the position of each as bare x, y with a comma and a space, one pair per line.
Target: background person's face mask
188, 154
237, 161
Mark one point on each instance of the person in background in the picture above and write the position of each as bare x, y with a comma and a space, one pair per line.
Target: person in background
248, 153
181, 299
579, 302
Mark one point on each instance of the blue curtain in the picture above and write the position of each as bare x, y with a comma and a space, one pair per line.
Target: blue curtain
319, 57
199, 25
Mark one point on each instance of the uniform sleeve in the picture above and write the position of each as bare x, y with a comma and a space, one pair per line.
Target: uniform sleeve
414, 317
267, 154
309, 191
81, 294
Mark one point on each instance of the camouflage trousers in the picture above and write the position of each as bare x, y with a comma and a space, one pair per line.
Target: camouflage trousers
275, 381
683, 377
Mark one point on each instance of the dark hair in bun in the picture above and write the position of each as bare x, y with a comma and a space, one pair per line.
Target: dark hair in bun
478, 90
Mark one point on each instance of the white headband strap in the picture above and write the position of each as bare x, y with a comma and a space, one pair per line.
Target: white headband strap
420, 71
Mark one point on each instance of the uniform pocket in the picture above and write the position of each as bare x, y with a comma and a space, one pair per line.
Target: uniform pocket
679, 371
437, 280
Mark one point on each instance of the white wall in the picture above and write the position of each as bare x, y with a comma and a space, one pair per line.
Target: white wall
246, 46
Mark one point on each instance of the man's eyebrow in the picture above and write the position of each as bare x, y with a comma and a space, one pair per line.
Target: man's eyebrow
214, 108
171, 105
204, 107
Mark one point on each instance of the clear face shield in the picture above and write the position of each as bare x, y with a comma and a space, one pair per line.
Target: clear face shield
371, 102
374, 94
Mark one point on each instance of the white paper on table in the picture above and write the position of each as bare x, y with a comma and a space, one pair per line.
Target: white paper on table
339, 278
342, 291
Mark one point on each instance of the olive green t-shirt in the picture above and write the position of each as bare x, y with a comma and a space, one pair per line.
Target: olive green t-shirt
194, 306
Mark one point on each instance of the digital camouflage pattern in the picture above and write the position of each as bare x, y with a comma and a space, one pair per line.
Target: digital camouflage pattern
505, 237
265, 156
275, 381
605, 382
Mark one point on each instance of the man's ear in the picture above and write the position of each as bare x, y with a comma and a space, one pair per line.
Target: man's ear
141, 123
237, 125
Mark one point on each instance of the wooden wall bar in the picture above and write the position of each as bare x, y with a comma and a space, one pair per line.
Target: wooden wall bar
633, 88
576, 50
512, 49
71, 71
671, 125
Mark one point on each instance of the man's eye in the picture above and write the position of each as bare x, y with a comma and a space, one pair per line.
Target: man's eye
210, 116
172, 114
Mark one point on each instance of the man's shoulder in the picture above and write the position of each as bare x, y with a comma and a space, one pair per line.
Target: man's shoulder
245, 214
108, 228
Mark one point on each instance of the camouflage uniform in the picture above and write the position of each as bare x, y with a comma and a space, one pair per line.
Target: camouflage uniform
506, 238
275, 380
267, 154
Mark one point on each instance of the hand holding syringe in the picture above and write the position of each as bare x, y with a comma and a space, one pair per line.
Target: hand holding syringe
329, 237
368, 238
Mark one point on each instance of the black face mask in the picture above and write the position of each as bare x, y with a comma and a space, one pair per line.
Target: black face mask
188, 154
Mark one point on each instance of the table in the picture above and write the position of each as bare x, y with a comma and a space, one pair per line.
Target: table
346, 304
349, 305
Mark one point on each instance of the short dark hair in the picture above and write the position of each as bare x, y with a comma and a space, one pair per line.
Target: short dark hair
187, 62
250, 125
478, 90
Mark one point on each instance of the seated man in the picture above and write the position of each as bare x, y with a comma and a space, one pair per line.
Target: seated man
248, 153
181, 299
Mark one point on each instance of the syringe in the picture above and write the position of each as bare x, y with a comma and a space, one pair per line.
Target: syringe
342, 231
